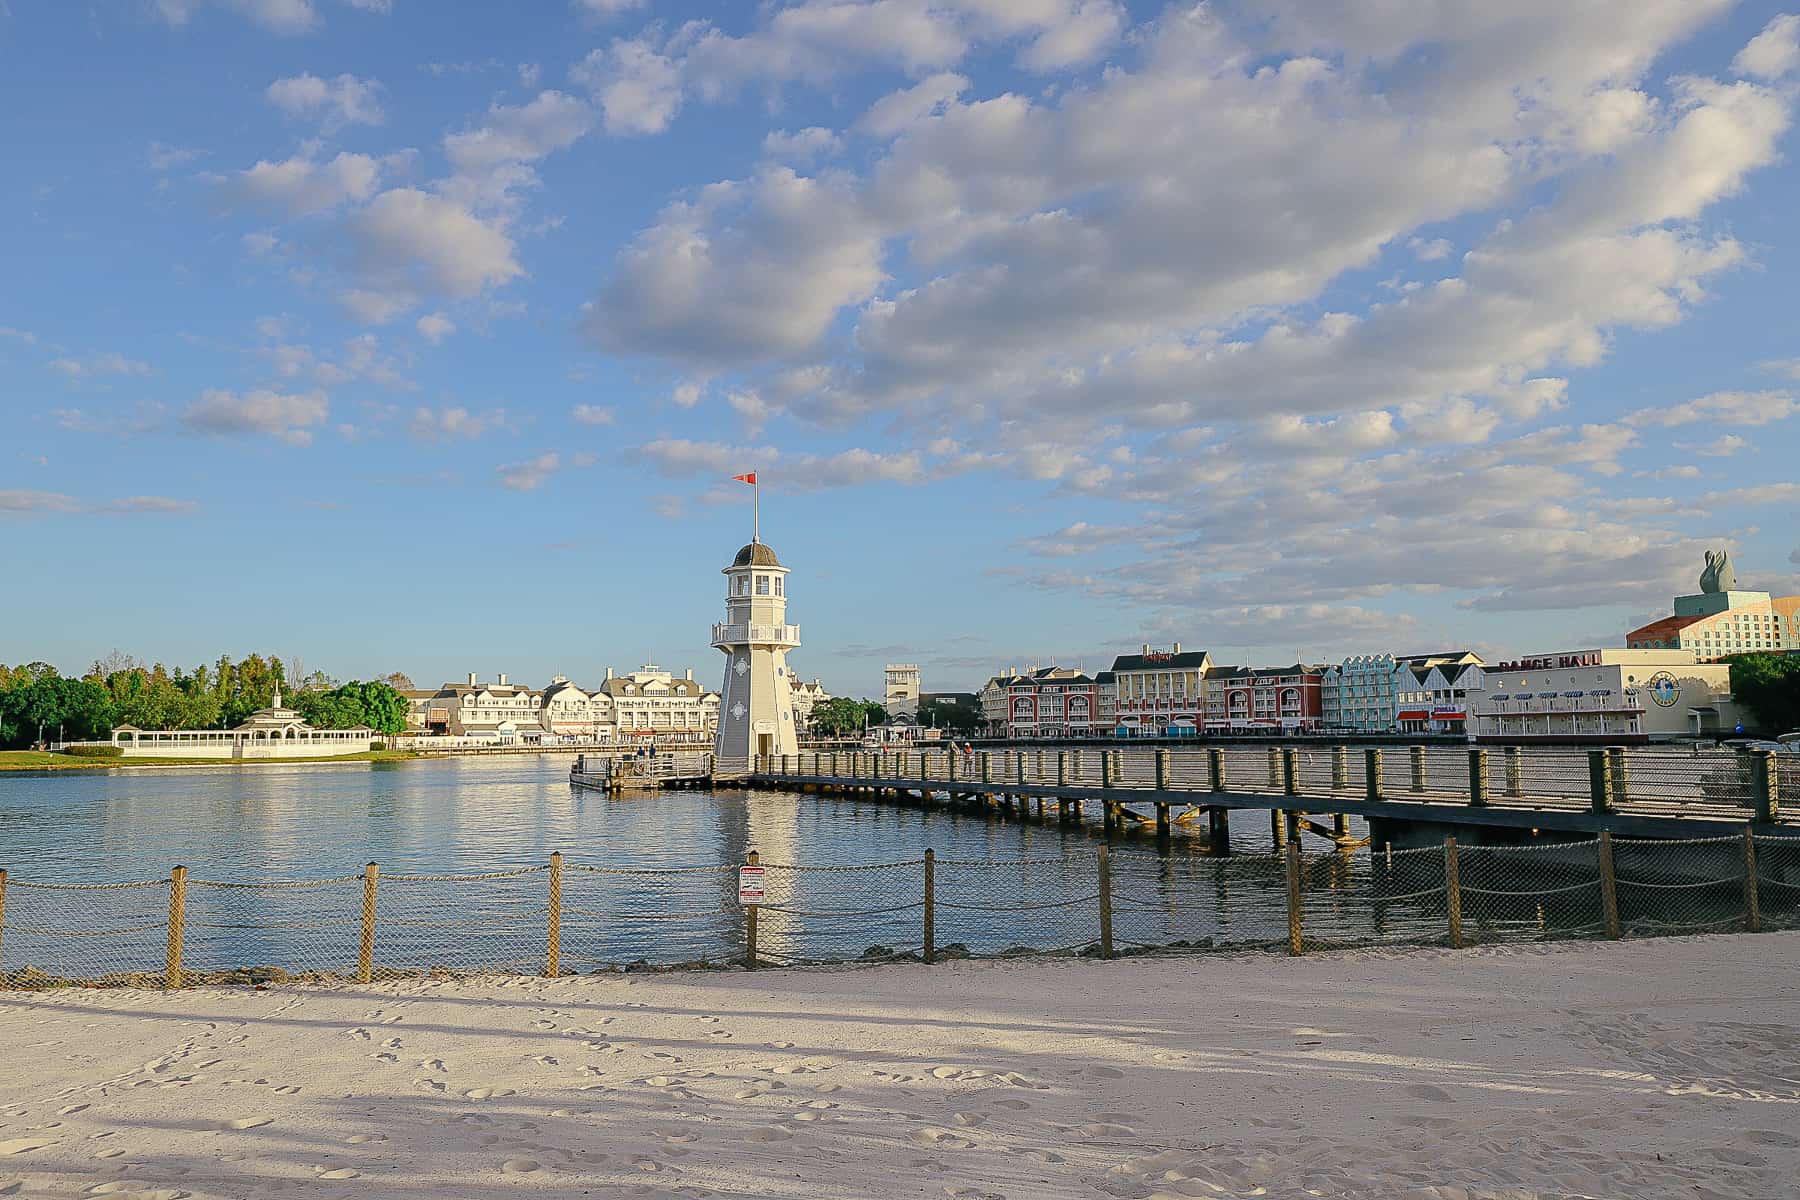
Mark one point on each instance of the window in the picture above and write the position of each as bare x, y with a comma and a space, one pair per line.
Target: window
778, 585
743, 585
762, 585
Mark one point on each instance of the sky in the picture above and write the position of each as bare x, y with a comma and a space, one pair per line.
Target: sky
427, 336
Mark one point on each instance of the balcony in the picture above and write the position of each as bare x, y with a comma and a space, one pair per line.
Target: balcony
756, 635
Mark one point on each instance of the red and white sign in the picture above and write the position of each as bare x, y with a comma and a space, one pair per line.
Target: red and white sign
750, 885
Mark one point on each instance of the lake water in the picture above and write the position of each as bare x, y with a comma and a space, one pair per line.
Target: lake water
647, 877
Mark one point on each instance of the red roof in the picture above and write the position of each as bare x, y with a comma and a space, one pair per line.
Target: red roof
1659, 631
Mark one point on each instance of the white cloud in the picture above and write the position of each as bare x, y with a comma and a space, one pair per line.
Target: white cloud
531, 474
408, 244
802, 146
445, 424
286, 17
163, 157
148, 505
1430, 251
493, 158
1774, 52
1723, 408
18, 335
1783, 366
302, 185
288, 416
607, 8
1723, 446
638, 89
99, 364
593, 414
16, 500
897, 111
345, 100
435, 327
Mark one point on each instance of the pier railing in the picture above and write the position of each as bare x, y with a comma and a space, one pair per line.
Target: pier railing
1642, 781
564, 916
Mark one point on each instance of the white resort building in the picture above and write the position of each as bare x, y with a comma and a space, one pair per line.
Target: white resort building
272, 732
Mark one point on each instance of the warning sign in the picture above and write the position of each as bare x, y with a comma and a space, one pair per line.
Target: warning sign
750, 885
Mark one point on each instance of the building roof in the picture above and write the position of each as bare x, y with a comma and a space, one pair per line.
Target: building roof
1442, 656
756, 554
949, 697
1106, 677
1657, 631
1158, 662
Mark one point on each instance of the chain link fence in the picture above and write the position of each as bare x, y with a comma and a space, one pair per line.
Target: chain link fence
570, 918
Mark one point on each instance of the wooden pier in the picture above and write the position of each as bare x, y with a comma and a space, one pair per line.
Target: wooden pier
1413, 795
650, 772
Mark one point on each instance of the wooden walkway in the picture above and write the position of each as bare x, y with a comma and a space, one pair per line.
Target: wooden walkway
1627, 791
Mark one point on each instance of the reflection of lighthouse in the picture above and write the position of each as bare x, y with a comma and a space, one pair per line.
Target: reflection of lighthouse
756, 705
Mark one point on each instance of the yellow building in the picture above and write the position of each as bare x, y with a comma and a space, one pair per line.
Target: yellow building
1722, 620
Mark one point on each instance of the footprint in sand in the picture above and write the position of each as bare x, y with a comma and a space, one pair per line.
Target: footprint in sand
436, 1085
543, 1024
1103, 1129
363, 1139
71, 1110
1009, 1102
487, 1093
135, 1189
1103, 1073
773, 1133
1425, 1091
542, 1060
433, 1064
242, 1123
520, 1166
385, 1057
781, 1045
721, 1034
968, 1118
1169, 1056
109, 1154
25, 1145
942, 1139
361, 1035
289, 1090
338, 1173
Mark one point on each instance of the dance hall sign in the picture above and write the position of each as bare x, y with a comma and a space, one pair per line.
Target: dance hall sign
1545, 662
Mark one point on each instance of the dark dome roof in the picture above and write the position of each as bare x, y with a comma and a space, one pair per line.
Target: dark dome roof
756, 555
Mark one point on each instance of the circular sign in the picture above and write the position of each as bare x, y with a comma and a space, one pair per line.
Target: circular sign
1663, 689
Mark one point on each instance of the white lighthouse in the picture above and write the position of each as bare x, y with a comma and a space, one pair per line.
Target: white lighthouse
756, 705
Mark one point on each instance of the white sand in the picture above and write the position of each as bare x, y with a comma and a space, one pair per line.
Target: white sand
1639, 1069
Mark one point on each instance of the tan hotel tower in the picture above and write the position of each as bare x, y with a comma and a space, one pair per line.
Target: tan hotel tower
756, 705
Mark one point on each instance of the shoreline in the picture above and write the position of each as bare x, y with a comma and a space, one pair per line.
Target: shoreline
1652, 1070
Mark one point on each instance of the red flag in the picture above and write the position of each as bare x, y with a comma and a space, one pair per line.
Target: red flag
749, 479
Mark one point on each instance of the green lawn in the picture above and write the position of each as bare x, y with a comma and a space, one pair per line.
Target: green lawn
37, 760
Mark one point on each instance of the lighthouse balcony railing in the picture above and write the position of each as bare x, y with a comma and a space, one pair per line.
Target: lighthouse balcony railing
746, 634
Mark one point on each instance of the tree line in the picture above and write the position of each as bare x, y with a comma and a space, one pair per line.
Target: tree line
38, 703
1769, 686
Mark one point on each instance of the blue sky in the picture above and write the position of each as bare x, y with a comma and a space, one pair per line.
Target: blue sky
426, 337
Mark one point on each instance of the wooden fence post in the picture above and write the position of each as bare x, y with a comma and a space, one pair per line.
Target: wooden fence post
1162, 769
1453, 893
1621, 780
930, 906
1418, 768
1752, 901
177, 919
1599, 781
1293, 898
2, 928
365, 951
1215, 767
1765, 780
1478, 778
1340, 768
1609, 886
1062, 768
1515, 771
1274, 769
1290, 772
1106, 769
1372, 773
1106, 936
553, 942
752, 859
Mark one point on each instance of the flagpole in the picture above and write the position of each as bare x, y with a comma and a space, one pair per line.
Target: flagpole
756, 511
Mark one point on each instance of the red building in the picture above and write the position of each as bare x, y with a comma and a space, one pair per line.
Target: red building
1265, 699
1052, 702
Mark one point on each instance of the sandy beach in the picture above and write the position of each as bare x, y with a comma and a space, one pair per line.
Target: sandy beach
1666, 1068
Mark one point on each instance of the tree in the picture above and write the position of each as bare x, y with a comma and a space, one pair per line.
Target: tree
954, 715
842, 716
72, 708
1769, 686
400, 681
377, 705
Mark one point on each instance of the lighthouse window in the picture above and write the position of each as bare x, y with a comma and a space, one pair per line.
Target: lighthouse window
762, 585
778, 585
743, 585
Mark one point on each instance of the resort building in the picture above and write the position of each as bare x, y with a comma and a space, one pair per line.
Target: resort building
1628, 695
1049, 702
1362, 694
1265, 699
272, 732
1433, 689
570, 712
806, 696
1160, 692
1721, 620
901, 697
500, 712
1106, 688
651, 705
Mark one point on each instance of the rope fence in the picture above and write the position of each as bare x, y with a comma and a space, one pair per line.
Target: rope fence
563, 918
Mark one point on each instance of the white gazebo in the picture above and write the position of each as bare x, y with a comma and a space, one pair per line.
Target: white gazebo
272, 732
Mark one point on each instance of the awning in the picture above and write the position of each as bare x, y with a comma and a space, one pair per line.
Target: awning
1413, 714
1446, 714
